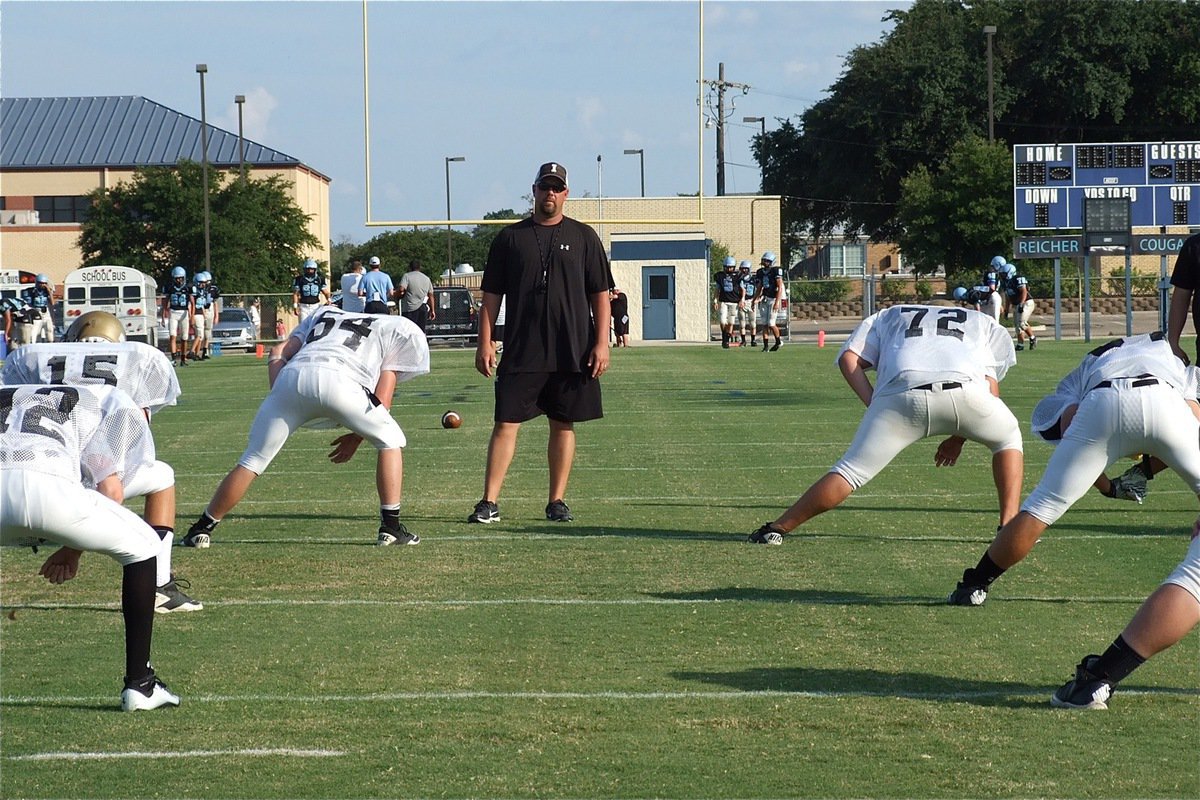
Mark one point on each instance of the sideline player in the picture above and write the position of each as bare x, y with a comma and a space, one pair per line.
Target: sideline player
178, 308
729, 298
938, 373
770, 284
307, 290
52, 437
336, 366
94, 352
1022, 305
40, 298
1129, 396
747, 313
1165, 617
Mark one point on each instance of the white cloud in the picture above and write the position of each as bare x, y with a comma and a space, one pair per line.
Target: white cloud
256, 115
589, 111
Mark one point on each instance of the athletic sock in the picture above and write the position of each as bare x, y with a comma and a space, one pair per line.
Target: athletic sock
1117, 662
389, 516
206, 523
137, 607
166, 537
984, 573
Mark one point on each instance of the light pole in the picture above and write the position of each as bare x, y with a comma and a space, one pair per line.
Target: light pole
989, 31
449, 240
202, 69
241, 99
762, 122
641, 154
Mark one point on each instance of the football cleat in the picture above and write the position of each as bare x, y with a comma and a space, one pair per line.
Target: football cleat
1032, 342
1020, 346
146, 693
766, 535
1087, 690
485, 512
967, 594
196, 538
557, 511
398, 535
776, 346
169, 597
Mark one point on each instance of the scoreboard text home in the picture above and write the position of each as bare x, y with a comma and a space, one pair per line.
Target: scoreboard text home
1161, 180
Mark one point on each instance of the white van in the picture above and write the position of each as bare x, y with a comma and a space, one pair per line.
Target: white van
124, 292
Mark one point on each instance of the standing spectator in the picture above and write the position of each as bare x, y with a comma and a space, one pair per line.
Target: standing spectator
178, 309
307, 290
41, 299
728, 299
280, 329
1022, 305
1186, 279
416, 296
352, 299
255, 312
1166, 616
550, 271
376, 288
770, 283
326, 368
76, 434
746, 312
211, 312
1129, 396
619, 305
94, 352
938, 372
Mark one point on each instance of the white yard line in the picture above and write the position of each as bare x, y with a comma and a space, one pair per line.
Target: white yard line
95, 756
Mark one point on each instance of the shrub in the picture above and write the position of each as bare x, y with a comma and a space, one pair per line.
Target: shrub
1141, 284
819, 291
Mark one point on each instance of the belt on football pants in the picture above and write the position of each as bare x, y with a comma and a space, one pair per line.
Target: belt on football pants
929, 387
1138, 382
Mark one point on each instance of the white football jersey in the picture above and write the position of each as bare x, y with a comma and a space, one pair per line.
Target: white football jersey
79, 433
912, 345
1148, 354
139, 370
361, 345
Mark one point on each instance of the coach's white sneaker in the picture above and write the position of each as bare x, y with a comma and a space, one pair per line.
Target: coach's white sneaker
146, 693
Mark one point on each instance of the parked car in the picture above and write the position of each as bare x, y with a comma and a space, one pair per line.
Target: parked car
234, 329
457, 314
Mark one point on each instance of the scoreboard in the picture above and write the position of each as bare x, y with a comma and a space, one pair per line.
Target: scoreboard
1161, 180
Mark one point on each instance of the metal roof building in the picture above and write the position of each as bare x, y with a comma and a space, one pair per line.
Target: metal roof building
114, 132
55, 150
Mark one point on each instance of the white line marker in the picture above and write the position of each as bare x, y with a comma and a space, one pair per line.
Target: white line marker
275, 751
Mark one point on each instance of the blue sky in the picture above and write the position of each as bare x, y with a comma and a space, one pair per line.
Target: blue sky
507, 85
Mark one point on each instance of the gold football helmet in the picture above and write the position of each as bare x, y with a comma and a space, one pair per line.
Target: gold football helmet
95, 326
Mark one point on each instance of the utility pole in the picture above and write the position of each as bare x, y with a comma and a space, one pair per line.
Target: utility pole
720, 86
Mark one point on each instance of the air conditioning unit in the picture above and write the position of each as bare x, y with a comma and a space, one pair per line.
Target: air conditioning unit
26, 217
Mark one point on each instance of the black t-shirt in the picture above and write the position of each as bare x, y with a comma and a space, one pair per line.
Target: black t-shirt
547, 274
1187, 274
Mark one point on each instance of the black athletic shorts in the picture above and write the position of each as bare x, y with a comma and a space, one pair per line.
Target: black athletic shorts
561, 396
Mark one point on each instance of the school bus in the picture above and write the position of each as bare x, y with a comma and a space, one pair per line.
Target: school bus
124, 292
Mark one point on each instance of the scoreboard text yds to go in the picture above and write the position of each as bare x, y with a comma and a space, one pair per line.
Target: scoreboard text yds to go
1161, 180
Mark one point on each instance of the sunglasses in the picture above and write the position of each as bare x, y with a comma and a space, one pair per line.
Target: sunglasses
546, 186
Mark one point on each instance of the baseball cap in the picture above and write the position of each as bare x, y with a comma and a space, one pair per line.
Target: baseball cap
552, 169
374, 262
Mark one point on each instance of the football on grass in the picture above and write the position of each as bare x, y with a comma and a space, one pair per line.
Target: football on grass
451, 419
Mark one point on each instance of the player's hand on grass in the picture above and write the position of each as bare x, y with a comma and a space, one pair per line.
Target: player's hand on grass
948, 451
62, 565
344, 448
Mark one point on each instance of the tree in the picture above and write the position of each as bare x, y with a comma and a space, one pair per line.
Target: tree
950, 217
155, 221
909, 100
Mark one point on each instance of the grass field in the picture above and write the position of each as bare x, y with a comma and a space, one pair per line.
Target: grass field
641, 651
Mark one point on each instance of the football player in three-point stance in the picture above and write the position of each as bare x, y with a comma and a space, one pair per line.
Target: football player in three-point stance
55, 441
938, 373
94, 353
1129, 396
342, 368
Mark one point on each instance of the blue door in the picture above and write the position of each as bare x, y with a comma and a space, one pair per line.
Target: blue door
658, 305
